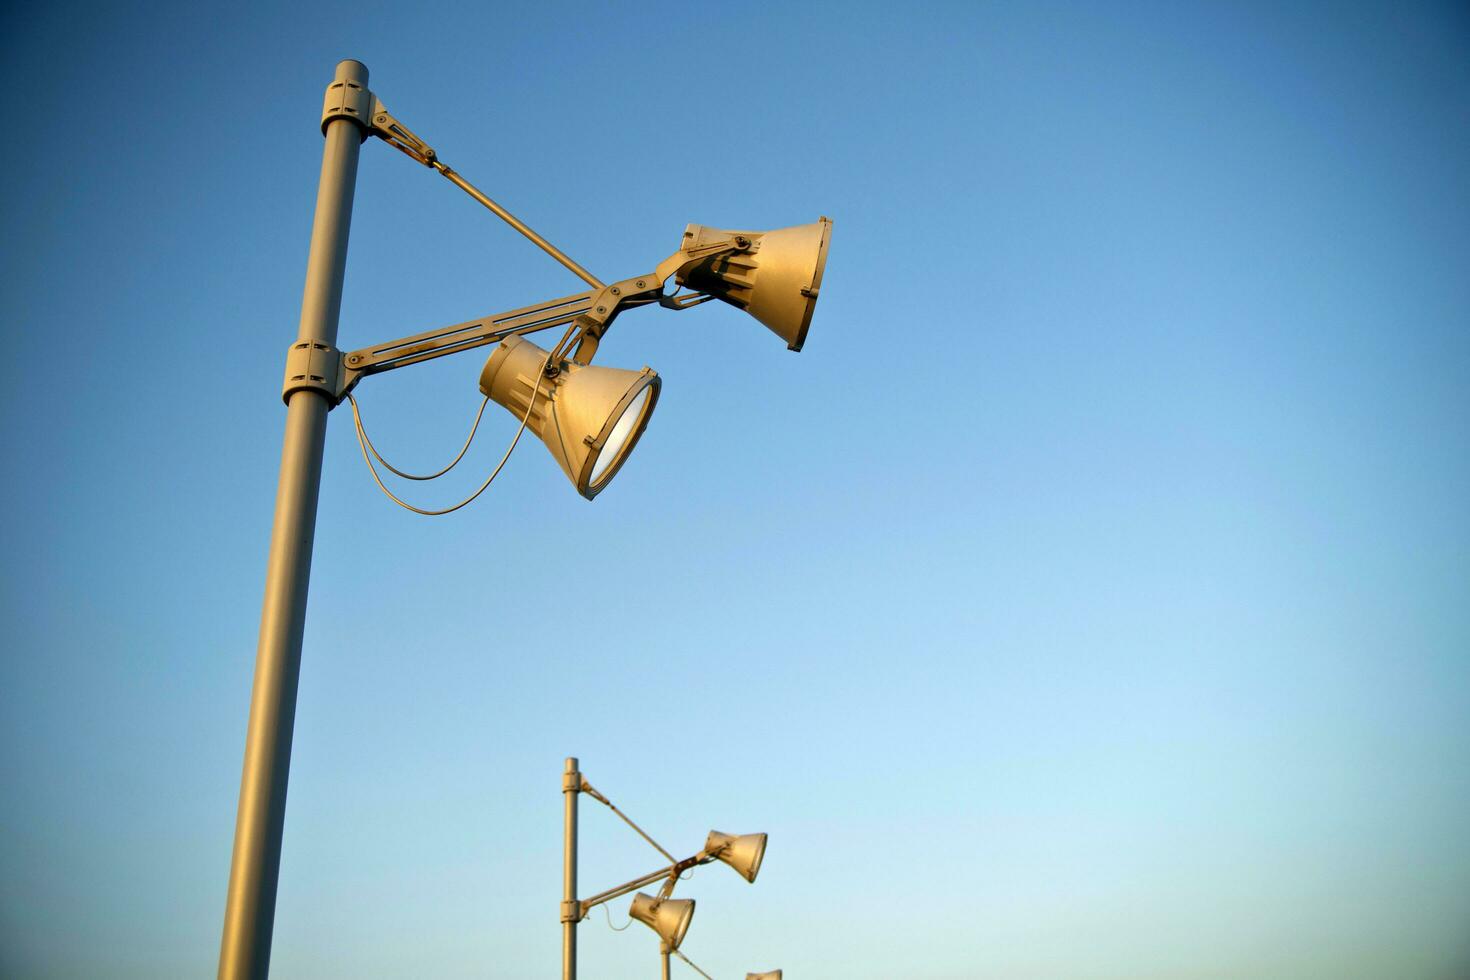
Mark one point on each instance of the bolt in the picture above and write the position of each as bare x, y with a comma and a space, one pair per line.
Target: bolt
641, 284
354, 358
382, 119
616, 291
602, 309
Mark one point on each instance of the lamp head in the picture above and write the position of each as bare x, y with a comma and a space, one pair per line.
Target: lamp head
743, 853
773, 975
589, 417
669, 917
775, 279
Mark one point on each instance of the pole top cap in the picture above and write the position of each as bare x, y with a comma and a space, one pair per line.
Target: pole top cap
351, 70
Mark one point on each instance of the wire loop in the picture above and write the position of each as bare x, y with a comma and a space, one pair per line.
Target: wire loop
432, 476
609, 920
363, 443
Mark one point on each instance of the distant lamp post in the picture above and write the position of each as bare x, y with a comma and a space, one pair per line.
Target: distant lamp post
664, 953
590, 418
668, 917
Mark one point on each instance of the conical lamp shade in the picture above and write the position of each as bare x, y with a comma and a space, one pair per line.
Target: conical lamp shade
669, 917
589, 417
776, 280
743, 853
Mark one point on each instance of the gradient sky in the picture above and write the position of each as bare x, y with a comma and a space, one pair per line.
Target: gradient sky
1089, 599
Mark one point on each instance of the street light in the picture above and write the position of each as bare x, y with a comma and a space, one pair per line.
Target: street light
590, 418
743, 853
668, 917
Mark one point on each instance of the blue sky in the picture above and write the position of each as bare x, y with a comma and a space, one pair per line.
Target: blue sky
1088, 599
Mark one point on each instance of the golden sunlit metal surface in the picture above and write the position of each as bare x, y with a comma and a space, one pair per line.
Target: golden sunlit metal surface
661, 913
743, 853
589, 417
668, 917
776, 279
775, 276
772, 975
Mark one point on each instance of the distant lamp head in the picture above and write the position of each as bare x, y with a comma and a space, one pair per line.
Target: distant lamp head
775, 279
589, 417
773, 975
743, 853
669, 917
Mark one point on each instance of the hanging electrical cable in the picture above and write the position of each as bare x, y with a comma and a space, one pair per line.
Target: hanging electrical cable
363, 443
432, 476
609, 921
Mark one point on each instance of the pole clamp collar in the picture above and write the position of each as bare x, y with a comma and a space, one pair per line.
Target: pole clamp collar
571, 782
571, 911
315, 366
348, 100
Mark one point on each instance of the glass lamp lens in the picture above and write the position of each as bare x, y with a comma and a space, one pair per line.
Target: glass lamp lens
616, 443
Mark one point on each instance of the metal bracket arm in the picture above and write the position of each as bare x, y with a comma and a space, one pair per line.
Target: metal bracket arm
385, 126
604, 302
670, 874
612, 299
592, 792
592, 311
400, 137
460, 337
692, 965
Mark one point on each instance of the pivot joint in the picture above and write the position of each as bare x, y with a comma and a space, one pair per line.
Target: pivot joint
382, 124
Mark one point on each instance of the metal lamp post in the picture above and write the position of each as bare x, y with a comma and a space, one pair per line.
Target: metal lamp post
250, 906
589, 417
667, 916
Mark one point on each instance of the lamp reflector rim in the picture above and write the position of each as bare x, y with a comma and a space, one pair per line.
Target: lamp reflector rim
814, 289
648, 381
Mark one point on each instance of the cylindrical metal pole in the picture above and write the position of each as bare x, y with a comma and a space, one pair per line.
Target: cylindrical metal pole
663, 954
250, 906
571, 788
